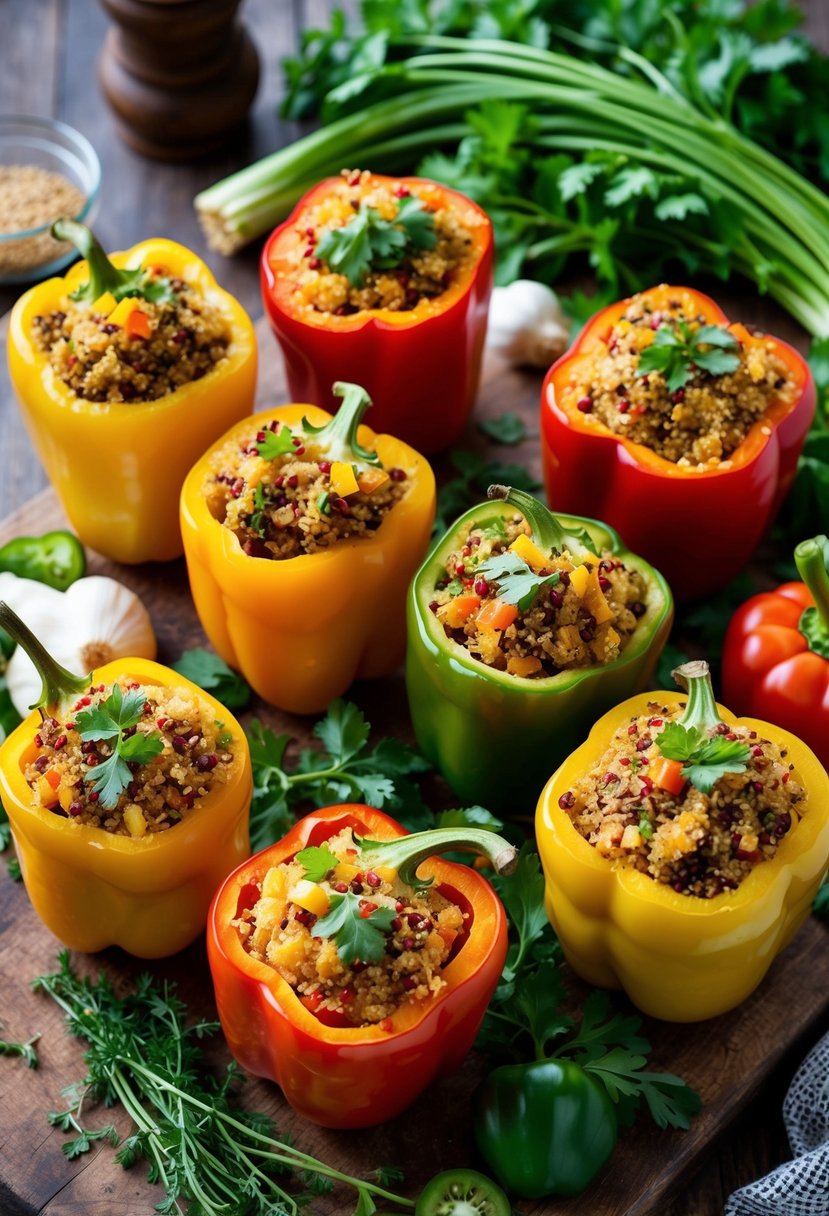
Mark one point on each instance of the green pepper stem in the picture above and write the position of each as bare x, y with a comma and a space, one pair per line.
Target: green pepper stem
547, 531
405, 853
338, 438
811, 557
103, 276
701, 710
58, 683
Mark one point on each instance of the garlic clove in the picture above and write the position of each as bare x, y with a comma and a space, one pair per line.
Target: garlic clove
527, 325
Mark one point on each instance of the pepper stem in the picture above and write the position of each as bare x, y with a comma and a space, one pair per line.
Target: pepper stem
58, 683
812, 558
338, 438
547, 531
405, 853
701, 710
103, 276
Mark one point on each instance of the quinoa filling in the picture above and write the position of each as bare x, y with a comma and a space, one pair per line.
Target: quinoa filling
579, 616
87, 782
296, 501
409, 935
698, 424
135, 351
699, 844
419, 268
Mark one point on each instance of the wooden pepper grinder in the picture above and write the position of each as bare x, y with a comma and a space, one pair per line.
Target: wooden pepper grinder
179, 74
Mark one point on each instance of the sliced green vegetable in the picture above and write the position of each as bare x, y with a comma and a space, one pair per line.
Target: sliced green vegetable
56, 558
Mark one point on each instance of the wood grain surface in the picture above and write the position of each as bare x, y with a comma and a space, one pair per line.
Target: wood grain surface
48, 53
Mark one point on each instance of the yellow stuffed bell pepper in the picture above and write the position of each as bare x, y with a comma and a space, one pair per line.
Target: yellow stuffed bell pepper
678, 955
122, 384
301, 535
94, 754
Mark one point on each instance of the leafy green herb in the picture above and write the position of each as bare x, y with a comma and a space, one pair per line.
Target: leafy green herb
508, 428
475, 475
645, 827
678, 351
369, 242
346, 769
5, 830
318, 862
517, 582
324, 503
14, 871
26, 1050
108, 722
212, 674
144, 1052
455, 586
704, 759
260, 503
356, 933
276, 443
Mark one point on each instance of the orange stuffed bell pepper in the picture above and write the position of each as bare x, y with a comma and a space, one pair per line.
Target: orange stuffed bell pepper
385, 281
677, 428
125, 370
353, 966
128, 793
682, 851
301, 534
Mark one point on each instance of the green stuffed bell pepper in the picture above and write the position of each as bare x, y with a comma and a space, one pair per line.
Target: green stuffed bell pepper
523, 628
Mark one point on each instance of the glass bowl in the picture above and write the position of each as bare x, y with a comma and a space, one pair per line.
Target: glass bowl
31, 254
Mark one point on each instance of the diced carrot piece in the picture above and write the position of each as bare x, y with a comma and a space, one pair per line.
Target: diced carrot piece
529, 552
137, 325
459, 610
53, 777
343, 481
517, 666
667, 774
447, 934
370, 480
496, 614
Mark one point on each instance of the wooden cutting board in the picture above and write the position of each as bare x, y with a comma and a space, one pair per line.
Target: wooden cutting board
727, 1059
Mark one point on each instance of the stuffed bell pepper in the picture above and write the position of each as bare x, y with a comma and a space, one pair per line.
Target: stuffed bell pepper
776, 652
353, 966
301, 534
680, 429
523, 627
385, 281
125, 370
128, 792
682, 848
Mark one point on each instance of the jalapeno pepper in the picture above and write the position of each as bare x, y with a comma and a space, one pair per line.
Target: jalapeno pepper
92, 888
776, 652
492, 734
667, 512
420, 365
118, 466
358, 1076
56, 558
677, 956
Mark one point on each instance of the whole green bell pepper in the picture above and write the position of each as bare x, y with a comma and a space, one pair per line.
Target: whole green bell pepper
495, 737
544, 1128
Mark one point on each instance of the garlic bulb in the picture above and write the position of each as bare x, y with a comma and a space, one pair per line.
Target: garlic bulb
95, 621
527, 325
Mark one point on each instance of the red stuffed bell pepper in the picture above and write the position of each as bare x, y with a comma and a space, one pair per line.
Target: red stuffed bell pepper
776, 653
386, 282
354, 1044
695, 497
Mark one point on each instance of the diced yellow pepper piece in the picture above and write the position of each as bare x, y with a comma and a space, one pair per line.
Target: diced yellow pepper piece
123, 311
631, 837
343, 479
106, 303
579, 579
135, 821
288, 954
345, 872
274, 885
386, 873
529, 551
517, 666
65, 797
46, 792
595, 600
310, 896
370, 480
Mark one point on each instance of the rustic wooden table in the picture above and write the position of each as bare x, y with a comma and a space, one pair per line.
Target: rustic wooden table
48, 51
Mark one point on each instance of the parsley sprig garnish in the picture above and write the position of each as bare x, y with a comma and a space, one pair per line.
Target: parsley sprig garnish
517, 582
318, 862
369, 242
678, 351
276, 443
356, 932
526, 1017
108, 722
705, 759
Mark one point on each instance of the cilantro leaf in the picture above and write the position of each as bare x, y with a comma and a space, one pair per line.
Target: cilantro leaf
213, 675
356, 936
276, 443
517, 582
507, 428
108, 718
318, 862
677, 351
370, 242
344, 730
705, 760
